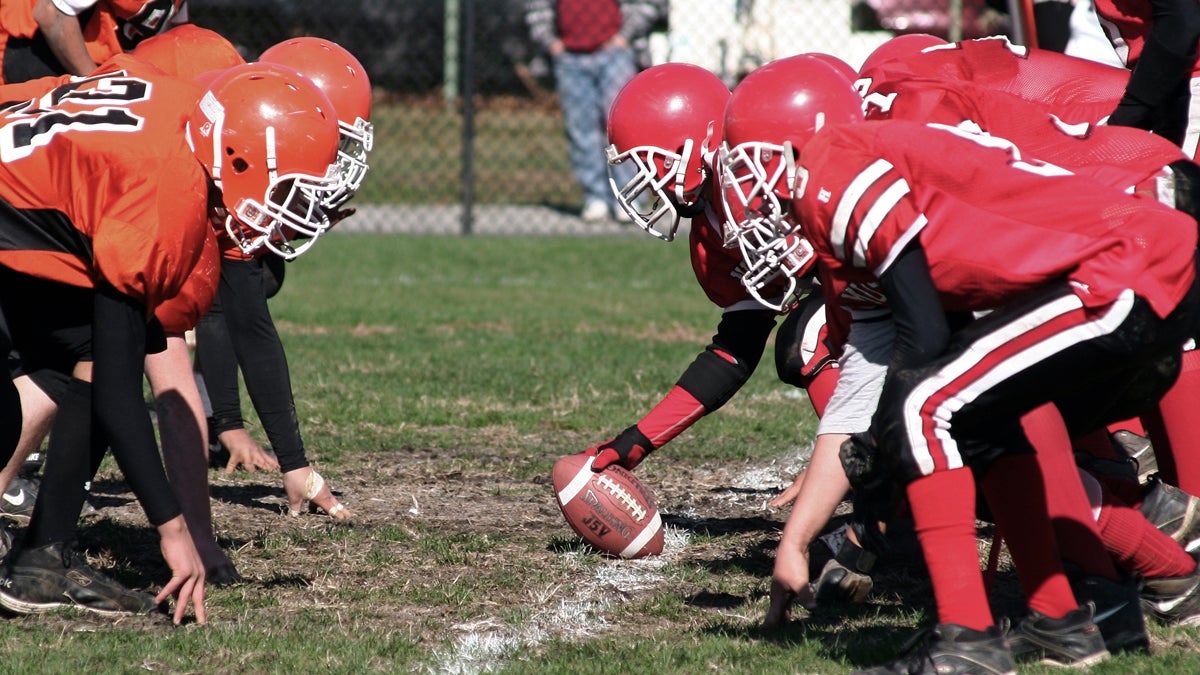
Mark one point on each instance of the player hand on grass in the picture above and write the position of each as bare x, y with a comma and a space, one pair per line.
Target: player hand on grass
789, 584
187, 571
245, 452
627, 450
789, 495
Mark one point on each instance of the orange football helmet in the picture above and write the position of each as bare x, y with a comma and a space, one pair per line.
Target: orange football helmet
345, 82
268, 138
188, 51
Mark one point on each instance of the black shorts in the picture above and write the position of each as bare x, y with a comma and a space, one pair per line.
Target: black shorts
28, 59
49, 323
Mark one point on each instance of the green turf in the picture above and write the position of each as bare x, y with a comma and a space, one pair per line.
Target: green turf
486, 343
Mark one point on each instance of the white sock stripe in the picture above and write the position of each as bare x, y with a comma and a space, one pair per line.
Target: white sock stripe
1015, 362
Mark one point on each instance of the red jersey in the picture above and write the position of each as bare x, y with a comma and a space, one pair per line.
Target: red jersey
993, 227
585, 25
97, 182
1046, 103
1074, 89
718, 269
1126, 23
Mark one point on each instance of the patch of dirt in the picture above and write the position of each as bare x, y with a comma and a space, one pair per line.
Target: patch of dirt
455, 544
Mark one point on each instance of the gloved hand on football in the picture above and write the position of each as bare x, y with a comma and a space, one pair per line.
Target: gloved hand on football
874, 476
627, 450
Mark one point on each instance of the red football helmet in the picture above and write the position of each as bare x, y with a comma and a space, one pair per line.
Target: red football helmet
842, 67
900, 47
188, 51
771, 116
345, 82
666, 122
268, 138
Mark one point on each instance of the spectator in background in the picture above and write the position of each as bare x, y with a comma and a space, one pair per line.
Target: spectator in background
591, 45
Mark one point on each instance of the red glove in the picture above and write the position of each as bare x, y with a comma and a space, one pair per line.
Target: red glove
628, 450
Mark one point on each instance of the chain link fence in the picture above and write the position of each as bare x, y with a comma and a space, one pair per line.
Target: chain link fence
469, 129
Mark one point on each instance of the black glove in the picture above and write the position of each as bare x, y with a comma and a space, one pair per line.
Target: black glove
874, 476
628, 450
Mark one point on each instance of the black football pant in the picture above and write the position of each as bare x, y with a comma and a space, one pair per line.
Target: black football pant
238, 333
1096, 365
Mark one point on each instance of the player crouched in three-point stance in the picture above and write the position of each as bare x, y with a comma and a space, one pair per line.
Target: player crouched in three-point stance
107, 183
666, 123
1091, 294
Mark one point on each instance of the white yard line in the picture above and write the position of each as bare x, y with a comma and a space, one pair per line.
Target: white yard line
488, 645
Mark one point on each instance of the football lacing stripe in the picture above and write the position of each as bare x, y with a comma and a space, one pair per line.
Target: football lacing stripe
631, 503
643, 538
581, 479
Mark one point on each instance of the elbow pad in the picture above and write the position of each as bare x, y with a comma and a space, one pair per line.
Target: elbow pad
714, 377
801, 343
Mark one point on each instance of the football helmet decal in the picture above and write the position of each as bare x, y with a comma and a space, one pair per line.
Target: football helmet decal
666, 122
344, 80
268, 138
770, 117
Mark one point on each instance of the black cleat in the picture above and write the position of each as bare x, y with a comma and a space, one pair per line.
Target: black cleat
49, 577
838, 583
1173, 600
1174, 512
1118, 611
1138, 449
1074, 641
950, 649
17, 501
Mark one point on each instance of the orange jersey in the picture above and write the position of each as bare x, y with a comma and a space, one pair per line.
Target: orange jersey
182, 312
97, 182
112, 27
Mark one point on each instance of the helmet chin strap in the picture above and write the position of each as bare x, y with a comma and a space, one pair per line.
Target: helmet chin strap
693, 208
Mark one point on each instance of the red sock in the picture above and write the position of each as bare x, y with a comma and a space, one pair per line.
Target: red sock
1066, 501
821, 388
943, 509
1140, 547
1015, 493
1173, 431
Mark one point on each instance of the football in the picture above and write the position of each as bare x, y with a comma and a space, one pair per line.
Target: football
611, 509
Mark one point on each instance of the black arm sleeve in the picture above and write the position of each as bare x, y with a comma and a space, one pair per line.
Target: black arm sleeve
726, 364
922, 330
1164, 65
119, 352
261, 358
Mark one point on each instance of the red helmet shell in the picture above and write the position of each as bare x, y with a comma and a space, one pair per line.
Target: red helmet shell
899, 47
788, 100
664, 107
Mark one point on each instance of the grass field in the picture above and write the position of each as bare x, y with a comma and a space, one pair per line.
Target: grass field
520, 154
437, 380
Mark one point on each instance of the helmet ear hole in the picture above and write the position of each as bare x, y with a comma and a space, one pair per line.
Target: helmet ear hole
239, 165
